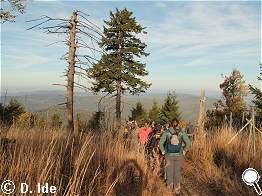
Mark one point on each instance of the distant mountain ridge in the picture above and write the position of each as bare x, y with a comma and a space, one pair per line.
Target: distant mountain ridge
41, 92
86, 104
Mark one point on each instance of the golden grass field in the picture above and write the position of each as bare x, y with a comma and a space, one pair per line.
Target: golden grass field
216, 167
97, 164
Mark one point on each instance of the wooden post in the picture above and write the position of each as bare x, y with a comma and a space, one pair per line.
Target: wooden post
71, 72
250, 132
254, 131
201, 119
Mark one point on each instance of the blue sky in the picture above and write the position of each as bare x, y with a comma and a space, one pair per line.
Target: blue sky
191, 43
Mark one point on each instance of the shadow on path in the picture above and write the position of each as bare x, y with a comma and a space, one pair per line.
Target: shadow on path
131, 179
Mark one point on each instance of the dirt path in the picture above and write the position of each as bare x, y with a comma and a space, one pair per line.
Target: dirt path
190, 188
189, 185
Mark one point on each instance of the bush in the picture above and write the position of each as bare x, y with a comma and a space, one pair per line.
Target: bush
56, 121
42, 123
95, 122
10, 113
26, 120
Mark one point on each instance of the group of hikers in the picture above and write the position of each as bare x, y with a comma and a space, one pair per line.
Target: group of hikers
166, 143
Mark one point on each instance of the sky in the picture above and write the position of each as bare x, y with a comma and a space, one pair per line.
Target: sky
191, 44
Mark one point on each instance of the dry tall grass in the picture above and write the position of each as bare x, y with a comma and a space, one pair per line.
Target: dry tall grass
97, 164
84, 164
216, 167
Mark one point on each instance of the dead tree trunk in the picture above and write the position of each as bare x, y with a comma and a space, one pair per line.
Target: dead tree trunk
201, 120
71, 73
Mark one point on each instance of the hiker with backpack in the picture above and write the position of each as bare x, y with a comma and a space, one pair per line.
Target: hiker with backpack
152, 149
171, 145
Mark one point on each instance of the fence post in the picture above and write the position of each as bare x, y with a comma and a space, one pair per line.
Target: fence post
254, 131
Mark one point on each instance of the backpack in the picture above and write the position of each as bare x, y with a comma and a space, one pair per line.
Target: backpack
174, 143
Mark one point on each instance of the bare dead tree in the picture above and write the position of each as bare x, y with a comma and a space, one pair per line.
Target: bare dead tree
71, 71
80, 33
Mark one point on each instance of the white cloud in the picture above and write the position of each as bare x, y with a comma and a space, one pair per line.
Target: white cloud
24, 61
197, 29
160, 4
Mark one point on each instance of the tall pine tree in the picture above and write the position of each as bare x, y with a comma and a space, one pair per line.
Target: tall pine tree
170, 109
154, 113
119, 70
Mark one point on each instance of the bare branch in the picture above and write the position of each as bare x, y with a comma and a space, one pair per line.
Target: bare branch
62, 19
79, 11
82, 63
88, 34
61, 103
38, 24
91, 28
59, 85
56, 26
64, 56
55, 43
83, 75
63, 32
80, 45
79, 67
36, 19
82, 15
80, 86
88, 57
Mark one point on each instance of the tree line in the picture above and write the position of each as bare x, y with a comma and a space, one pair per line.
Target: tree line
159, 115
232, 108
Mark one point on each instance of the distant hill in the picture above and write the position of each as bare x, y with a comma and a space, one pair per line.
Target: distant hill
85, 104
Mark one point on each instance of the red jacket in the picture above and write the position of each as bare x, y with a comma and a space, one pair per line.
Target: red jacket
144, 133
